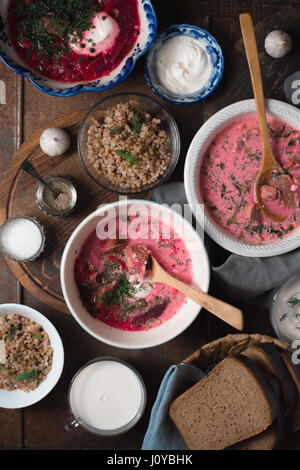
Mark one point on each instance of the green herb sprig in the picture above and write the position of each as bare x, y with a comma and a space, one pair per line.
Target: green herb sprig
27, 375
128, 157
48, 25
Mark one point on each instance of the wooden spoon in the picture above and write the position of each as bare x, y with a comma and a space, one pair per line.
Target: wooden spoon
226, 312
269, 166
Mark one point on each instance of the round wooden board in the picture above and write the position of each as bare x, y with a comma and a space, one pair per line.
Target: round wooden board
17, 194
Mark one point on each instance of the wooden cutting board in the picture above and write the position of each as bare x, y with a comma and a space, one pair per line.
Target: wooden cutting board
17, 195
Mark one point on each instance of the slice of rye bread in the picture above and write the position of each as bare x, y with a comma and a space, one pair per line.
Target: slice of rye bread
293, 422
271, 438
268, 358
266, 440
232, 403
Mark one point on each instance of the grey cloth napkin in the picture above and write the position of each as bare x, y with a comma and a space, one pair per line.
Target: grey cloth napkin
249, 279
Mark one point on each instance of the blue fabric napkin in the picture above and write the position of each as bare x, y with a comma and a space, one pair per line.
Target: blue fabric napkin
162, 433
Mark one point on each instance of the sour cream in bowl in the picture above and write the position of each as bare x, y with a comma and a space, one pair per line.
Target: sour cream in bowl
184, 65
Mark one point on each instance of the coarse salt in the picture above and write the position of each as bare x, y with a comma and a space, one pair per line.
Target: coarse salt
21, 238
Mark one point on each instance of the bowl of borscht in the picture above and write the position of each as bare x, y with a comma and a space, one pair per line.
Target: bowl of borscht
106, 280
67, 47
220, 174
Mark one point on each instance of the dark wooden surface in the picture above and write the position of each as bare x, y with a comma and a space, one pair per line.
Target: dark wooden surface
17, 193
41, 426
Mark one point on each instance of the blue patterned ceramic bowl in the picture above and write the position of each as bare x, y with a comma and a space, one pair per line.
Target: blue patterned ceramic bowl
212, 48
55, 88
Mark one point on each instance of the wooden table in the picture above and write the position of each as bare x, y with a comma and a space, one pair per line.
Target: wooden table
23, 109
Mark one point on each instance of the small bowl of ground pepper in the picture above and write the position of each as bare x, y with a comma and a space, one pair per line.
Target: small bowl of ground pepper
59, 199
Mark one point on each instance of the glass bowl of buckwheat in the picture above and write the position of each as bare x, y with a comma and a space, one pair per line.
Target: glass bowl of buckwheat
129, 143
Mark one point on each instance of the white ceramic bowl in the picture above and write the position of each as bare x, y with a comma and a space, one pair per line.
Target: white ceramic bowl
134, 339
18, 398
212, 127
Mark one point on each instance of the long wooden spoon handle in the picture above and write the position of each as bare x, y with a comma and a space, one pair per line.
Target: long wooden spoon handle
255, 73
226, 312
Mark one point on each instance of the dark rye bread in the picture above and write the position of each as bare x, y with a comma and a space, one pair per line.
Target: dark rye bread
266, 440
270, 361
232, 403
293, 423
271, 438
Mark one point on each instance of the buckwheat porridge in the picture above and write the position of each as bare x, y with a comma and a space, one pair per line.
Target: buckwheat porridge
25, 353
128, 147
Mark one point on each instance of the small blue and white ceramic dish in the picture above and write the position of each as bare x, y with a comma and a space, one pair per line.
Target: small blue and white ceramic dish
213, 50
10, 57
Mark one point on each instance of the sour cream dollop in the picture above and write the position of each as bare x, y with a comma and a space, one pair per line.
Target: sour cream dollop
99, 39
182, 64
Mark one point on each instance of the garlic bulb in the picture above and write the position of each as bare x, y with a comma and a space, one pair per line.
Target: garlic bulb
278, 44
54, 141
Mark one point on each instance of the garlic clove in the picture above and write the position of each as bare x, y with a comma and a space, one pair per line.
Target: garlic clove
278, 44
54, 141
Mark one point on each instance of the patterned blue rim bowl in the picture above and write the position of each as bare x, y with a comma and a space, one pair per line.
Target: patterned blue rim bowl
212, 48
10, 58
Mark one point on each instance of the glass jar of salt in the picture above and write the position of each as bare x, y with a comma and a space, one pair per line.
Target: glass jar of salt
22, 238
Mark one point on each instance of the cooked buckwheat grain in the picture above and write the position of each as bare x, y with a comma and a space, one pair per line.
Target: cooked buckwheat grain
26, 353
128, 147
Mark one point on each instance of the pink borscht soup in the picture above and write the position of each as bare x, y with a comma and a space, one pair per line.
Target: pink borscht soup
73, 40
112, 274
227, 180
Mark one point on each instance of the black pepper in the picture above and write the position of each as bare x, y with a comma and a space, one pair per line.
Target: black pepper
60, 199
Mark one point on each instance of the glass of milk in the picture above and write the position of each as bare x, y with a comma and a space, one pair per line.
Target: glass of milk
106, 396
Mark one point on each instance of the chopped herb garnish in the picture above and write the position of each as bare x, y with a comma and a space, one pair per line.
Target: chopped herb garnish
136, 124
283, 317
28, 375
294, 301
115, 130
37, 337
49, 25
292, 142
128, 156
12, 332
2, 367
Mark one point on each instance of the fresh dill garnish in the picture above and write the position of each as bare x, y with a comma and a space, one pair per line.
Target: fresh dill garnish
115, 130
136, 124
283, 317
12, 332
49, 25
128, 156
28, 375
293, 301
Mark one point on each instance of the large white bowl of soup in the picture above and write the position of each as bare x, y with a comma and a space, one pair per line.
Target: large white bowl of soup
105, 274
221, 168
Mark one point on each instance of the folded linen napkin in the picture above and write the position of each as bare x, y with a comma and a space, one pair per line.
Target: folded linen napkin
249, 279
162, 433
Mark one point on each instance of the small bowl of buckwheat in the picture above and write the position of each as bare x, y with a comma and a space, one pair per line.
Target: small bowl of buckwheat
31, 356
129, 143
